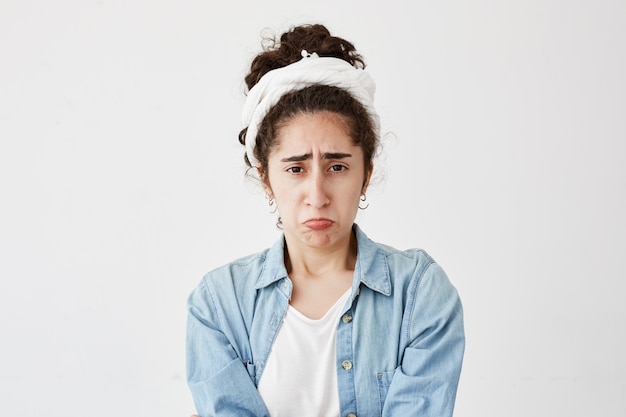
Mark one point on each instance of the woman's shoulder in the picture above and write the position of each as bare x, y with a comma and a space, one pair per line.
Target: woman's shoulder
414, 254
414, 271
413, 261
411, 258
245, 273
383, 266
246, 261
229, 283
242, 268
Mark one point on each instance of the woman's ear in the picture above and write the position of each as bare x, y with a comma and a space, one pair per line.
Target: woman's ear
368, 177
265, 182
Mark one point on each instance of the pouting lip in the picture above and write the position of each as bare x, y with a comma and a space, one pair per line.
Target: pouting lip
317, 219
318, 223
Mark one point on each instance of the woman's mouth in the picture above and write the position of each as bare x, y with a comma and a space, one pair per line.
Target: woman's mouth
318, 224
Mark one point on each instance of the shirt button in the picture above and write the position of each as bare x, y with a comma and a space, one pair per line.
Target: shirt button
351, 415
346, 365
347, 318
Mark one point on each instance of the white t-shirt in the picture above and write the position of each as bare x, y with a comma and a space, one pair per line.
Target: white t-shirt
300, 377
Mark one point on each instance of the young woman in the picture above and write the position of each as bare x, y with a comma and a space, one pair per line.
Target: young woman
326, 322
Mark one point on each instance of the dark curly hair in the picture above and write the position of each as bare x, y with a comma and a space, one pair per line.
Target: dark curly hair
312, 99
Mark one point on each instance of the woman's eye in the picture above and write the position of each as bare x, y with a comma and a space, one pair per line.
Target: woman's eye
338, 168
294, 170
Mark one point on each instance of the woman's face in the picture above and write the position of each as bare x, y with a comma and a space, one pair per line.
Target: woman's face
316, 175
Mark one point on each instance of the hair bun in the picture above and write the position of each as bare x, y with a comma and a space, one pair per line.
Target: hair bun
314, 38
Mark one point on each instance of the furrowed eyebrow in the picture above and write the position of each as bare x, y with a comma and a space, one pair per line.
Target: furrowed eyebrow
336, 155
297, 158
328, 155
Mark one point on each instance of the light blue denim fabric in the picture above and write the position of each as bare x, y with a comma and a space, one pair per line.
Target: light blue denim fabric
400, 341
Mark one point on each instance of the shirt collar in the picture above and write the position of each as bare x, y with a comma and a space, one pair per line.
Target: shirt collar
274, 265
371, 267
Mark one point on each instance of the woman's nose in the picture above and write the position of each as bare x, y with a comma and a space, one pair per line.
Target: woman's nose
317, 193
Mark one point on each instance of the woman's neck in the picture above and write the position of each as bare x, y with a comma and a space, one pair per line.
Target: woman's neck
319, 275
306, 261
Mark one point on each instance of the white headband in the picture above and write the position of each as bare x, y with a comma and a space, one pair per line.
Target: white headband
310, 70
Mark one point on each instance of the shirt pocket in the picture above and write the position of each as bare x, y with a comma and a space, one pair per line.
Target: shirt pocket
383, 380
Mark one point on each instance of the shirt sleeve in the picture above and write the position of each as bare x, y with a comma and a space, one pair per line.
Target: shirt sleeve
217, 377
426, 381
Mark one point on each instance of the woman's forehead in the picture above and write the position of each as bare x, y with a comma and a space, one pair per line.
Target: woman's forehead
319, 132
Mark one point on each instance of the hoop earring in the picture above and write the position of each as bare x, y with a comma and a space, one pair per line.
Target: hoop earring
272, 203
363, 198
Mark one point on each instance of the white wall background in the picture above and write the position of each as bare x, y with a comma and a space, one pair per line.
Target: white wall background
121, 184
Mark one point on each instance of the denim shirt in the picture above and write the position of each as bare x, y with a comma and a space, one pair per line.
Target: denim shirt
399, 342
